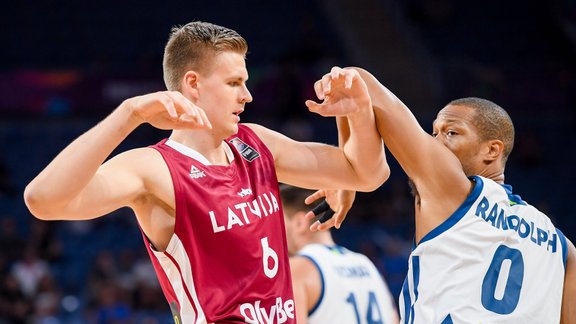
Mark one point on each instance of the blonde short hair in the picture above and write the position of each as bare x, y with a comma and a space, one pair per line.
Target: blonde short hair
192, 46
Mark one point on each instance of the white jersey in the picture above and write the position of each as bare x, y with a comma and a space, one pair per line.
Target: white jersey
495, 260
352, 288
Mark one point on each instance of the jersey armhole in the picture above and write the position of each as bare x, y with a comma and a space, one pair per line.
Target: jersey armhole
564, 246
321, 283
457, 214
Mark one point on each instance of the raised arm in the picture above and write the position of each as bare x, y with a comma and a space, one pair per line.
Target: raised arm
76, 184
360, 163
434, 169
340, 201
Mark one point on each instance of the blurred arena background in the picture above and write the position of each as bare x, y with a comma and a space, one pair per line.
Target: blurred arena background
64, 65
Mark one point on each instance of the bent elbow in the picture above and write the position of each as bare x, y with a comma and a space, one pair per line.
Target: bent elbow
374, 180
37, 205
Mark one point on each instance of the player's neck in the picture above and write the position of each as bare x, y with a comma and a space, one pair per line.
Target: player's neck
203, 142
496, 175
324, 238
493, 171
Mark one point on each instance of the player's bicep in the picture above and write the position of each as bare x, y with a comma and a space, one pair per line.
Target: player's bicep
315, 166
433, 168
424, 159
307, 164
116, 184
439, 170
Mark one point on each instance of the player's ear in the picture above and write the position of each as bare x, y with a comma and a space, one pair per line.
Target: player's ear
190, 84
495, 149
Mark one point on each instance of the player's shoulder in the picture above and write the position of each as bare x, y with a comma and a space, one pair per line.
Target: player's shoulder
136, 154
513, 203
529, 212
311, 255
261, 131
252, 128
251, 132
303, 266
142, 161
314, 250
272, 140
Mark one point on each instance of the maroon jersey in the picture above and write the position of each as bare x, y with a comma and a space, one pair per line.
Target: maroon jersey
227, 261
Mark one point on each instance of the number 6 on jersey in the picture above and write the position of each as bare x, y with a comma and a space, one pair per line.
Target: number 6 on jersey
268, 252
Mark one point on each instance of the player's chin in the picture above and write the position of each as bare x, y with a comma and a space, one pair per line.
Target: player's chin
233, 129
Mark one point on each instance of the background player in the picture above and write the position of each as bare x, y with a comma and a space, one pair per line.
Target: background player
481, 253
207, 199
331, 283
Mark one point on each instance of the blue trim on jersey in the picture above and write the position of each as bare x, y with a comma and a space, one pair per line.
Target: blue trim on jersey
564, 246
459, 213
514, 199
321, 282
336, 248
416, 281
407, 300
447, 320
408, 305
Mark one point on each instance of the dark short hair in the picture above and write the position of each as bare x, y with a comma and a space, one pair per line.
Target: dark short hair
293, 197
190, 45
491, 120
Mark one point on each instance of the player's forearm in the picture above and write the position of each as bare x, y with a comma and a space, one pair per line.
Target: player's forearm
364, 149
392, 115
401, 132
343, 130
74, 167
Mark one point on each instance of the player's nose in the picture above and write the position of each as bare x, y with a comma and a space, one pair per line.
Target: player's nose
246, 96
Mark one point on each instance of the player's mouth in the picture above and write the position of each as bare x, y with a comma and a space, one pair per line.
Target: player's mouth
237, 114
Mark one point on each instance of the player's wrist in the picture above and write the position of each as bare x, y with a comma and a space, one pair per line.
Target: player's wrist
362, 114
126, 118
127, 111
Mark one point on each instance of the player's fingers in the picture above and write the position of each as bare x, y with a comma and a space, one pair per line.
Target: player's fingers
180, 102
335, 72
338, 219
326, 216
325, 226
349, 78
191, 115
320, 208
204, 118
319, 89
315, 196
315, 108
186, 120
314, 226
184, 110
168, 104
326, 86
187, 107
309, 215
192, 111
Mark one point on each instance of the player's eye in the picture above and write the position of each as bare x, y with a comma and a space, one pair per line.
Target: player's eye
451, 133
